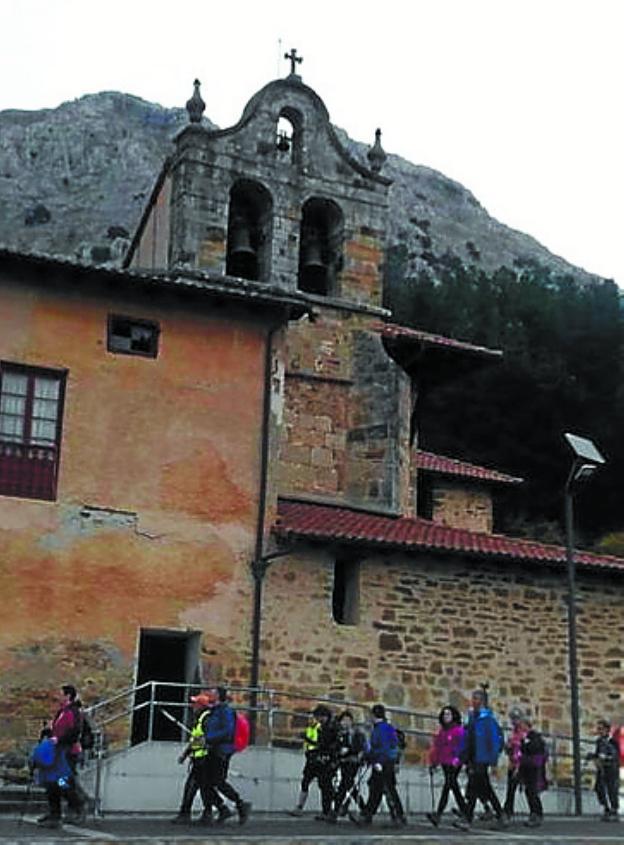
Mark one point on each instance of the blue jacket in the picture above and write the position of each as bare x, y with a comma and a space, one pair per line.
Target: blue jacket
484, 739
384, 745
219, 729
50, 762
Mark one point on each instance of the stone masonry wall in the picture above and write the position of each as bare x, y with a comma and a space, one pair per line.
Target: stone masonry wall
459, 505
431, 629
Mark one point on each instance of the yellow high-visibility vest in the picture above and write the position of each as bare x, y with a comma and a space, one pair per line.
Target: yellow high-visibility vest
196, 738
311, 736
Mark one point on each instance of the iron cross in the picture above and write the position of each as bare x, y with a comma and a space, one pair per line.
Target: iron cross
294, 60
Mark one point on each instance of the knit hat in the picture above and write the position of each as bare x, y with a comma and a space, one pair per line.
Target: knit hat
516, 714
378, 711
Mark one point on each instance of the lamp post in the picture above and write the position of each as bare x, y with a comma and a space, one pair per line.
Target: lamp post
587, 459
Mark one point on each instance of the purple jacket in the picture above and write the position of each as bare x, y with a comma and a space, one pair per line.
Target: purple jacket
447, 746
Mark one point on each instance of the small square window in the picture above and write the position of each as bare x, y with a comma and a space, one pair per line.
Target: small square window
131, 336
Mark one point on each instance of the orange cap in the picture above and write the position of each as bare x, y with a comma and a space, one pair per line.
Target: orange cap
204, 699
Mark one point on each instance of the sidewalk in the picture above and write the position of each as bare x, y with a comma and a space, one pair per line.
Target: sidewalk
264, 829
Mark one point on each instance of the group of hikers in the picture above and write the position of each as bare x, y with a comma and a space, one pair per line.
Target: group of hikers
340, 757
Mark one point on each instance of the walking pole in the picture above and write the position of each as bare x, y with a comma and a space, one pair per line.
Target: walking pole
173, 719
26, 801
433, 808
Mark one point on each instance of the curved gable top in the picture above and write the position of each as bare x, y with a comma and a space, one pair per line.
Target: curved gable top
278, 95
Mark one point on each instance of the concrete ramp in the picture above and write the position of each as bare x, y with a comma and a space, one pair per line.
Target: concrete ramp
147, 778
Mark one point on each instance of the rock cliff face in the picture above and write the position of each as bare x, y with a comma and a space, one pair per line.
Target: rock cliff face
74, 180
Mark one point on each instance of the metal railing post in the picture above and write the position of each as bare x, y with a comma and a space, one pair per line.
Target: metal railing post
150, 726
270, 724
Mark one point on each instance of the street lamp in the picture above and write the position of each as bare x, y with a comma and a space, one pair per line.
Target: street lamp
587, 459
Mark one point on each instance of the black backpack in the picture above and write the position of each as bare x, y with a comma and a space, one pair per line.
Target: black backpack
87, 734
401, 739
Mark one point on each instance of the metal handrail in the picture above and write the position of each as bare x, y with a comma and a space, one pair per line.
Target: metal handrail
271, 705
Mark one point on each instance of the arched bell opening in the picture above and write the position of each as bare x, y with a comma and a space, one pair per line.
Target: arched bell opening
249, 231
320, 252
289, 133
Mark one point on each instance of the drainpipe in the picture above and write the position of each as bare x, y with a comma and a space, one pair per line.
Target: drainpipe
261, 562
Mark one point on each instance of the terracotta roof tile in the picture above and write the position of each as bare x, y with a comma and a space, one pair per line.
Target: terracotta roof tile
451, 466
393, 331
306, 520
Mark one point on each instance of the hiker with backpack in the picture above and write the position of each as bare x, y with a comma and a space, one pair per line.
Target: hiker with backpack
319, 744
532, 770
482, 747
220, 738
351, 745
383, 755
196, 780
64, 735
446, 750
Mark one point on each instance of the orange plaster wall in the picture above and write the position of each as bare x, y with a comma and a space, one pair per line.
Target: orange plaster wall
176, 441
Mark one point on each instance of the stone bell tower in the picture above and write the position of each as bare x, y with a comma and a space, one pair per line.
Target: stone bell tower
278, 200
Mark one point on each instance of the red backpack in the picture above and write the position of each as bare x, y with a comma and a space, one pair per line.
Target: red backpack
241, 732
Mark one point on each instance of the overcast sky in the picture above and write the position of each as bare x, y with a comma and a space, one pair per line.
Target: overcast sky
519, 100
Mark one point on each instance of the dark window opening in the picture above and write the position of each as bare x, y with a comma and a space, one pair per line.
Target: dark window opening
346, 592
131, 336
320, 254
288, 141
31, 410
171, 657
424, 496
249, 231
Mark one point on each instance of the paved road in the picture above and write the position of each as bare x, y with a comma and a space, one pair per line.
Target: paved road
278, 830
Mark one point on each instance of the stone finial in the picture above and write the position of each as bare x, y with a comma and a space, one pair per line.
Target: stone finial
376, 155
195, 106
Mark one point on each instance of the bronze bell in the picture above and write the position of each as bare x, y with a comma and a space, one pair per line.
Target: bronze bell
241, 239
313, 255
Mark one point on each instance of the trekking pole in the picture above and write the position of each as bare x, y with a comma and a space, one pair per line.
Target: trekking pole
173, 719
26, 801
433, 808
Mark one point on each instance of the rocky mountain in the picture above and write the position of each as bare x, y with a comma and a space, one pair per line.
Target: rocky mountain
74, 180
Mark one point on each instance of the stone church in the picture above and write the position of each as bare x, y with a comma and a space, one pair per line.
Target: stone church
210, 468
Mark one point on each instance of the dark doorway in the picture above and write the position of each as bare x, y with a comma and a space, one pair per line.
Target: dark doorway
171, 656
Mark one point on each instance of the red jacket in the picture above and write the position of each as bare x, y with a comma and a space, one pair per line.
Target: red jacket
66, 728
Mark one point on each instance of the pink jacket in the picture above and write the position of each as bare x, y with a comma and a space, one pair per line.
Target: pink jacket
447, 746
513, 748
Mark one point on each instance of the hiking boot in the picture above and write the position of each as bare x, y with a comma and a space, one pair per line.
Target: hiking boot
205, 820
76, 816
52, 823
362, 820
181, 818
533, 821
224, 814
434, 818
244, 809
461, 824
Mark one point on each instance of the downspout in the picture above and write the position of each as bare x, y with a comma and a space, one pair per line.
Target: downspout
260, 564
